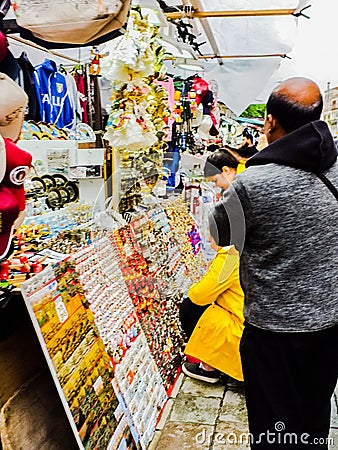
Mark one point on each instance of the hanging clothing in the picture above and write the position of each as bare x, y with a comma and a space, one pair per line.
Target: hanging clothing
95, 109
8, 64
52, 93
74, 97
97, 125
90, 98
27, 82
81, 87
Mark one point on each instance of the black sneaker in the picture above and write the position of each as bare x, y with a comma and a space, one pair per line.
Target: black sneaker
196, 372
234, 384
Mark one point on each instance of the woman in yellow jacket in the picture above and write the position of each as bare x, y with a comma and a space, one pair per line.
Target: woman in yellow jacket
216, 336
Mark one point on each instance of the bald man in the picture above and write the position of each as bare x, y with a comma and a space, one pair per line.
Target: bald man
289, 272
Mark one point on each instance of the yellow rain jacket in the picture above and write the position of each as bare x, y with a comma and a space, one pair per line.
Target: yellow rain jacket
241, 166
216, 337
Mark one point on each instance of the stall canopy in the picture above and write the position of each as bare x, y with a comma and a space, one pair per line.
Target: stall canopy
65, 24
241, 43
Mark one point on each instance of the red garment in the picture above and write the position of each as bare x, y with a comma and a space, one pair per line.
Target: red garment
18, 163
80, 83
9, 211
3, 47
201, 87
192, 360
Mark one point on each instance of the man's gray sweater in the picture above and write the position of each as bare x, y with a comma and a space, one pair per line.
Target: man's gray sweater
289, 257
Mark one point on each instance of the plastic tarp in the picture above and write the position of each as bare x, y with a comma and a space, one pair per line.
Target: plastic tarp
70, 24
241, 80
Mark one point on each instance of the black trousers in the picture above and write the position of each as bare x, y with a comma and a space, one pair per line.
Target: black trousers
289, 381
190, 314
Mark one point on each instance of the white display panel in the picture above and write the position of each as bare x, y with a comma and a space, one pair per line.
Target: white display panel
51, 156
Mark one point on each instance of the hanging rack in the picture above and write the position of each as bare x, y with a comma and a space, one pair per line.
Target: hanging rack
242, 13
39, 47
272, 55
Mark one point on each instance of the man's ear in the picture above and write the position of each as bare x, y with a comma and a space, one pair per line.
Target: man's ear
271, 123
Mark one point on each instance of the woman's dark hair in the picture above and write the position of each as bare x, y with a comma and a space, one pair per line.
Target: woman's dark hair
212, 148
227, 147
219, 226
215, 162
290, 114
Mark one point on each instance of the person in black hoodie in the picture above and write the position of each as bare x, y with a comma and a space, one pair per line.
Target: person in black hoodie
284, 217
248, 148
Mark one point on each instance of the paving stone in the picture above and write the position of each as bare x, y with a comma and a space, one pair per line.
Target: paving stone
202, 389
334, 413
231, 436
333, 443
188, 408
185, 436
233, 408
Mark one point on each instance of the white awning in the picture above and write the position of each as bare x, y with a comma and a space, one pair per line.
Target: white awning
245, 42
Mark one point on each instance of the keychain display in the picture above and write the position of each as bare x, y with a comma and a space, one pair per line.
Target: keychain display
156, 263
55, 234
137, 378
185, 112
151, 309
109, 316
67, 241
183, 227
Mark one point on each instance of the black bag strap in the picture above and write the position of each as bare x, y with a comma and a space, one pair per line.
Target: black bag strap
327, 183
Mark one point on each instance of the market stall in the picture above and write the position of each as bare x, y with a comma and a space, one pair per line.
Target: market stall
116, 204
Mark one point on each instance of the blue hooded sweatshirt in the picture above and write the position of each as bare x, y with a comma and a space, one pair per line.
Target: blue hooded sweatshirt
52, 94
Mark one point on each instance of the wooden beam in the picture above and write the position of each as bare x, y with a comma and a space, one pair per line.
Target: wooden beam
207, 30
244, 13
282, 55
39, 47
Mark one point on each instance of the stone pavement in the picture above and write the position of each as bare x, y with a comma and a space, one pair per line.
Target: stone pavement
199, 416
